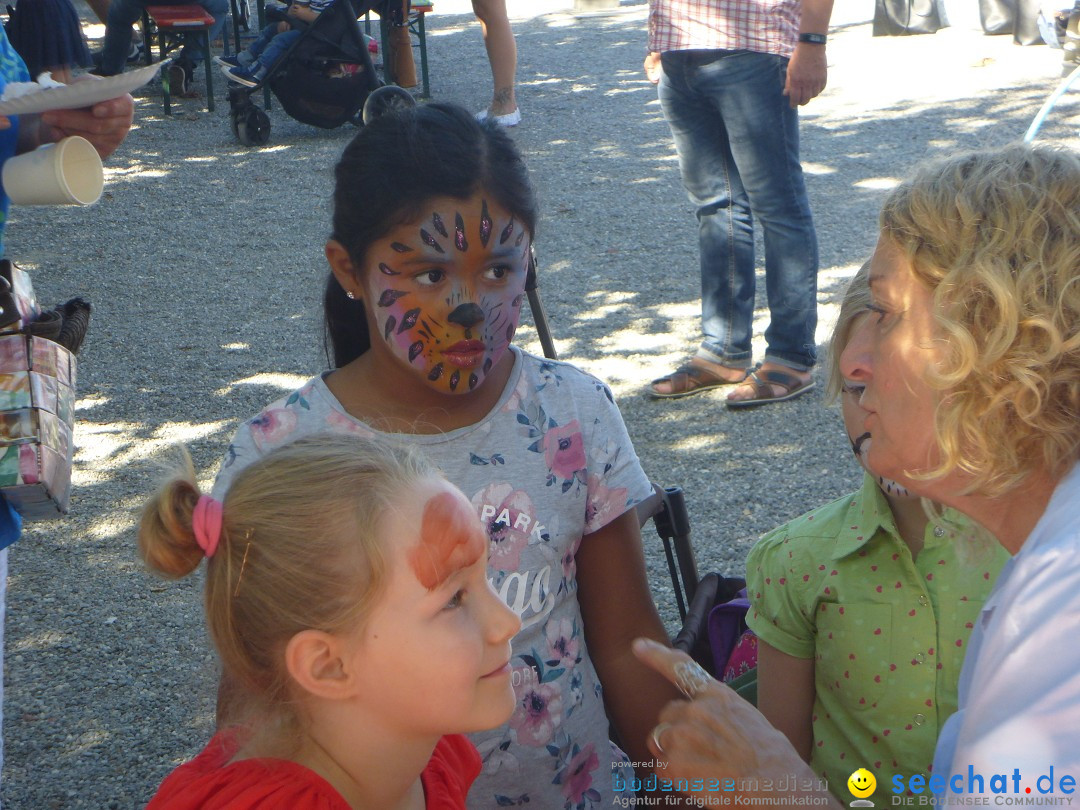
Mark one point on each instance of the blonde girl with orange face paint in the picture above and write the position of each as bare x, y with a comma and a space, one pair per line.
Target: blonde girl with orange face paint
434, 217
328, 607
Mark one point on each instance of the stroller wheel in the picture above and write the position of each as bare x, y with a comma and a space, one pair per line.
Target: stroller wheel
252, 127
384, 99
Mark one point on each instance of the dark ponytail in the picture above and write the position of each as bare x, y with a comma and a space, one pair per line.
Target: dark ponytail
389, 170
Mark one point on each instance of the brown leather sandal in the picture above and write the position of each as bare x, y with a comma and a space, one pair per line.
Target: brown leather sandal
764, 381
689, 379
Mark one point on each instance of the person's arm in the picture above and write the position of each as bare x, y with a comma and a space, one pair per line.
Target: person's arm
718, 735
105, 125
616, 608
786, 695
807, 71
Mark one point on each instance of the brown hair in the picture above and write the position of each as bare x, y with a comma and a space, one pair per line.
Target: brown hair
995, 236
298, 551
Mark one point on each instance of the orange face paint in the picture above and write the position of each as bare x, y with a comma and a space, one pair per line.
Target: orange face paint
450, 539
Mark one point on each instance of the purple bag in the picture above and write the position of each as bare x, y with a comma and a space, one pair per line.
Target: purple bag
728, 635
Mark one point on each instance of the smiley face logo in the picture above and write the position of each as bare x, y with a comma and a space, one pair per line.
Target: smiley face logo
862, 783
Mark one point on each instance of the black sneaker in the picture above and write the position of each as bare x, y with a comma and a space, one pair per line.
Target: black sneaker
228, 61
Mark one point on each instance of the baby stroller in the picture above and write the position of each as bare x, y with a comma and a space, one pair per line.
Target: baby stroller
323, 79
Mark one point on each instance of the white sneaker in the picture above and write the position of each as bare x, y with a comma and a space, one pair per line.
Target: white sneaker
511, 119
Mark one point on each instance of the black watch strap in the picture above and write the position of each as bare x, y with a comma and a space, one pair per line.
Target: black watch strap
815, 39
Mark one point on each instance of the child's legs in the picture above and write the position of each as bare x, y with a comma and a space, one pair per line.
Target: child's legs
266, 36
273, 52
501, 50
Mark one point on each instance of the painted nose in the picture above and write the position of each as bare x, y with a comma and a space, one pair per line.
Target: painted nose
466, 315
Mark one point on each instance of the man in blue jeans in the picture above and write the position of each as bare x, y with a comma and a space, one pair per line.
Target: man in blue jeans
731, 75
125, 13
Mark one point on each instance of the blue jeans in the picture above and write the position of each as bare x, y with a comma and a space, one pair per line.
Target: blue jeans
268, 48
125, 13
738, 144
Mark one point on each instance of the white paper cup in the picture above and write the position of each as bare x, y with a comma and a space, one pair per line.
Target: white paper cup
67, 172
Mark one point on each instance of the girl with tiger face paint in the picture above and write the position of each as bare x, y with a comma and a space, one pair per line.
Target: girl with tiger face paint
444, 293
434, 216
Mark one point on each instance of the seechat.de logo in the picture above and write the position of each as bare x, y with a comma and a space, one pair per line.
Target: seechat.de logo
862, 785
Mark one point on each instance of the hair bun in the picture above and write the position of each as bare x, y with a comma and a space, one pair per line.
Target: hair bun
387, 99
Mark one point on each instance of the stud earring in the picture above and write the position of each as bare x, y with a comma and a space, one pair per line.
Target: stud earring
350, 295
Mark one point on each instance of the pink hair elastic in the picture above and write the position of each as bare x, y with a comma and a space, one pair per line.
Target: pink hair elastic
206, 523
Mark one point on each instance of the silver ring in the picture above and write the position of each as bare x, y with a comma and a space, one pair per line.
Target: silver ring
656, 732
691, 678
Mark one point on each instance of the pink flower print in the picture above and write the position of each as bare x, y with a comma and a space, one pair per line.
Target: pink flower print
603, 504
338, 422
564, 646
539, 708
569, 564
564, 450
508, 517
576, 779
271, 427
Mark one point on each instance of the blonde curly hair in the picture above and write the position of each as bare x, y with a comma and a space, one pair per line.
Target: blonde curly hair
995, 235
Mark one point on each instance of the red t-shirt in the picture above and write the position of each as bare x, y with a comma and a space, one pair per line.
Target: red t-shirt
210, 782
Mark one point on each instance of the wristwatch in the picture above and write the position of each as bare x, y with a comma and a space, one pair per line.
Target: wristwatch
814, 39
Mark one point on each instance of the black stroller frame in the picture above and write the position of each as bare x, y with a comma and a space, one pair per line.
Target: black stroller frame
304, 81
695, 596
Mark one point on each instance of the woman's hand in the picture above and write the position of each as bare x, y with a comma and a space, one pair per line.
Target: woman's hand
717, 734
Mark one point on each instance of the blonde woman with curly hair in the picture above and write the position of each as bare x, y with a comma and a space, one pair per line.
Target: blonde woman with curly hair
845, 596
970, 364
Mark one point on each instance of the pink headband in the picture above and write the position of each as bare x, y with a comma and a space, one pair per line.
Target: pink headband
206, 523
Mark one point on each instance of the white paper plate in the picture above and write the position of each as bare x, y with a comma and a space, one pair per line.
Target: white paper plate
80, 94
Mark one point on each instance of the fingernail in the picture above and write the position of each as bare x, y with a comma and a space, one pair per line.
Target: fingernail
644, 644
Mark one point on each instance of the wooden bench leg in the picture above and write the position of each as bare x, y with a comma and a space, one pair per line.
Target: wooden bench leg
165, 73
422, 36
387, 50
209, 73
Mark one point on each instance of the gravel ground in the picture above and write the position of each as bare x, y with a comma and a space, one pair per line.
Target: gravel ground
203, 261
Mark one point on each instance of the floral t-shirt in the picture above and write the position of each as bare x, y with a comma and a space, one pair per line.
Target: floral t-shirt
550, 463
